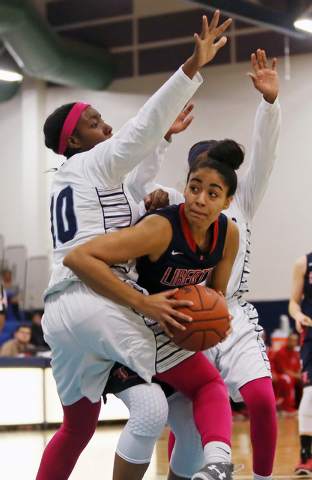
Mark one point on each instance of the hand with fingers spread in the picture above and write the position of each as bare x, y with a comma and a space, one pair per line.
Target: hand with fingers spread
156, 199
265, 79
205, 48
181, 122
160, 307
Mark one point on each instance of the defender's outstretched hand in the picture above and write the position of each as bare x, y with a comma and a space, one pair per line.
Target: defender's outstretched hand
181, 122
205, 48
265, 79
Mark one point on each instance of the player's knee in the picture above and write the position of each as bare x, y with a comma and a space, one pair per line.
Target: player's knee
260, 400
263, 404
148, 410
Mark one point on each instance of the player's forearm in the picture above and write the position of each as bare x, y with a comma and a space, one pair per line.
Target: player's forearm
141, 135
141, 180
294, 309
270, 98
264, 153
190, 68
98, 276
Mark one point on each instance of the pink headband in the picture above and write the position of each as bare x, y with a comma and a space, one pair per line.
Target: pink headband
70, 123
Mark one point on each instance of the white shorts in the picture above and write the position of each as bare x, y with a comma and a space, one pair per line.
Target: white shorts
87, 333
242, 357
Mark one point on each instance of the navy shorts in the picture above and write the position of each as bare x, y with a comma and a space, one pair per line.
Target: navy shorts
306, 362
121, 378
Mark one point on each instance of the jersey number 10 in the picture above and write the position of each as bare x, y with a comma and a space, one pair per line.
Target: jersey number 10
66, 223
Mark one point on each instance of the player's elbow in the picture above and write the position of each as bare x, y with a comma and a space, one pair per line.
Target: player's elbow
71, 259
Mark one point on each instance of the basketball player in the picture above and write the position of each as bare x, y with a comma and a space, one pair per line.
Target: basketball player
241, 359
300, 308
88, 197
176, 246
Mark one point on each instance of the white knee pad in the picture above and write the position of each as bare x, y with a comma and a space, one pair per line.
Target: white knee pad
148, 415
187, 456
305, 412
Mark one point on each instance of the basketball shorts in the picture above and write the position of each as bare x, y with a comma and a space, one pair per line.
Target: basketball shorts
122, 377
306, 362
87, 334
242, 357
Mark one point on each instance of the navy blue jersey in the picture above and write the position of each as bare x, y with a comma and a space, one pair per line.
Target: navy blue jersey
183, 263
306, 304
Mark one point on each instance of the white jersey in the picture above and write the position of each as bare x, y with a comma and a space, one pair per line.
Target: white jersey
89, 196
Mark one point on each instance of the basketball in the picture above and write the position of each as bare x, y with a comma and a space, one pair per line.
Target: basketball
210, 318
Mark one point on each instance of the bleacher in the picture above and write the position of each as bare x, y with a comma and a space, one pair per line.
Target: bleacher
31, 274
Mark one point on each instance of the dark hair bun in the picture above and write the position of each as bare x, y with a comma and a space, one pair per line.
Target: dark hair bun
229, 152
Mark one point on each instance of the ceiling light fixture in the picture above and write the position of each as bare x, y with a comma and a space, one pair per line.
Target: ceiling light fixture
304, 22
10, 76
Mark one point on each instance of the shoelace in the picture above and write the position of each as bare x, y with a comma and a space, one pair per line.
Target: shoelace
241, 467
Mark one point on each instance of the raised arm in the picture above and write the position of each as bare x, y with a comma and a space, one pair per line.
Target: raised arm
142, 134
91, 261
266, 136
296, 296
141, 180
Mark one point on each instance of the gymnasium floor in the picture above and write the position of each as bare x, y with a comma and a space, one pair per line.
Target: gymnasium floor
21, 452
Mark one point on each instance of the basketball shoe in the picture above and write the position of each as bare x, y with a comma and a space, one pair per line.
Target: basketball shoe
303, 468
215, 471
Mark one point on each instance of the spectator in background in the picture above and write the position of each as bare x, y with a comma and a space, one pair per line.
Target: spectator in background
3, 304
37, 332
19, 344
12, 292
282, 384
286, 362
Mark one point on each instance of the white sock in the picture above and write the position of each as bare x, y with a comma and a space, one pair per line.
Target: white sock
217, 452
259, 477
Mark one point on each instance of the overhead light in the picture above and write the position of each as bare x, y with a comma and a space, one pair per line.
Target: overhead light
304, 21
10, 76
304, 24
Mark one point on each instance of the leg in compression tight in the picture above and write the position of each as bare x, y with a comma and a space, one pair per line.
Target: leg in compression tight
199, 380
135, 447
63, 450
173, 476
186, 456
259, 398
148, 409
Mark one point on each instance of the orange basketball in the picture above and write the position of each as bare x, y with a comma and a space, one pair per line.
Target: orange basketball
210, 318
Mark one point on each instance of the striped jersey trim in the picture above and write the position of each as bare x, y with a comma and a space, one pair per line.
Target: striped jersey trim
252, 314
168, 354
115, 207
243, 286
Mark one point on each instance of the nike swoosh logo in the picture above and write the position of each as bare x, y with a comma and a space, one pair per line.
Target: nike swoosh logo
176, 253
223, 450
